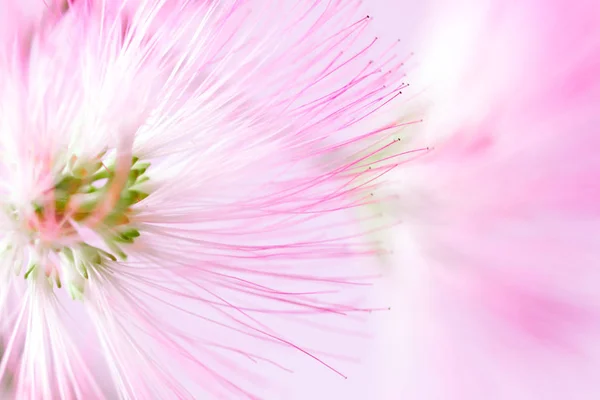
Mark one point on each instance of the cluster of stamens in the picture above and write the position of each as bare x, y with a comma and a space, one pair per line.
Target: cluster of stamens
78, 200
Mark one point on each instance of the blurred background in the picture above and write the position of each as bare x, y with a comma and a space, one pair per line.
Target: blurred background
493, 277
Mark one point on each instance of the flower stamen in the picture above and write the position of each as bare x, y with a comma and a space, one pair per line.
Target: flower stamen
98, 194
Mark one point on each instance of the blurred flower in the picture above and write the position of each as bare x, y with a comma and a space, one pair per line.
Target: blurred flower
496, 260
167, 220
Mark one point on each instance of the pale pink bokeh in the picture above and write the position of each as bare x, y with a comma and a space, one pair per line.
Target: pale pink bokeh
495, 279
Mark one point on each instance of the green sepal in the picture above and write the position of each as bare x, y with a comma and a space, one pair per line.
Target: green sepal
69, 184
141, 167
30, 270
81, 268
131, 233
142, 179
123, 239
116, 249
37, 208
76, 291
102, 173
69, 254
138, 196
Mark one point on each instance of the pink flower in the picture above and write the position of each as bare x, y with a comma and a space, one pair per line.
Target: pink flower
497, 259
174, 222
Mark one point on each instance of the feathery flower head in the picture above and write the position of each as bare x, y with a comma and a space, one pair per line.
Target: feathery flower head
171, 217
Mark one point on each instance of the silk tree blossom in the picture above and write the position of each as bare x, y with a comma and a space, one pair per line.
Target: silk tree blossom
173, 224
497, 291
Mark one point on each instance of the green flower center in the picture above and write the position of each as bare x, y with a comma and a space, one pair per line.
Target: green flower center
79, 198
